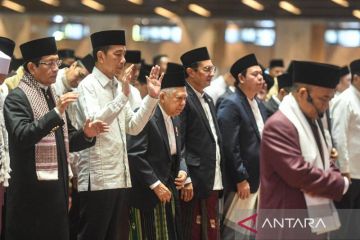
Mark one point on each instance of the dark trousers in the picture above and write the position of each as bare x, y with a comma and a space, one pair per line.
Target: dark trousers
74, 214
104, 215
349, 212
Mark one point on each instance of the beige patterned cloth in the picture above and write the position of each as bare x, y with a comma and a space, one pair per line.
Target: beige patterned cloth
4, 144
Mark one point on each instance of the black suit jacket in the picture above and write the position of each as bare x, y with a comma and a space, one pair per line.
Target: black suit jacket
150, 160
271, 106
241, 140
198, 143
36, 209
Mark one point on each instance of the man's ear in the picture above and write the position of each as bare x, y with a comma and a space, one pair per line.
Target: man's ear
100, 56
162, 96
303, 92
356, 78
241, 78
190, 71
31, 67
282, 92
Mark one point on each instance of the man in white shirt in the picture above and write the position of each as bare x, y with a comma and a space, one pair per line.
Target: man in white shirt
345, 113
345, 80
103, 176
67, 80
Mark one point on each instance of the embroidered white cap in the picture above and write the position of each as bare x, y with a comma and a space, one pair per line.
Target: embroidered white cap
4, 63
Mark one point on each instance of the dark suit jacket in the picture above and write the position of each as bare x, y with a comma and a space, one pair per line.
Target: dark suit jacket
36, 209
271, 106
227, 93
150, 160
241, 140
198, 144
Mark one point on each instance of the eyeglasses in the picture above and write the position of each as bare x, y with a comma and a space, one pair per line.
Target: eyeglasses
52, 64
209, 69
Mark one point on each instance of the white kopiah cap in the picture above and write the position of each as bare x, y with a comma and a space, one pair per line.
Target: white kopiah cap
4, 63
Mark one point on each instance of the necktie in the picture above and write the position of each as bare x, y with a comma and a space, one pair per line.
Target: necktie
48, 97
206, 98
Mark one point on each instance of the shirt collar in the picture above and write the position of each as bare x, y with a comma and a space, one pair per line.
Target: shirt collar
252, 102
276, 99
354, 89
165, 115
200, 95
43, 86
102, 78
64, 80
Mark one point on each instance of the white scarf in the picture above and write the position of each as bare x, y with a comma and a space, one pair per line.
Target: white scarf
318, 207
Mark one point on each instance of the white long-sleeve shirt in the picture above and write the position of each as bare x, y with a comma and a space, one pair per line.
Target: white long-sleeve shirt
345, 113
134, 98
106, 163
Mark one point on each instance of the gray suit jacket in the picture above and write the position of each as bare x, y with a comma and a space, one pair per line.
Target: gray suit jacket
271, 106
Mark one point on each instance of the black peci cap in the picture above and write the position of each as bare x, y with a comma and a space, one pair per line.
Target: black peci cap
107, 38
195, 55
243, 63
174, 76
38, 48
317, 74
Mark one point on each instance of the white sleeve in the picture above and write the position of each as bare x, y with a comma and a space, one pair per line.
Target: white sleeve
135, 122
155, 184
134, 98
91, 107
341, 113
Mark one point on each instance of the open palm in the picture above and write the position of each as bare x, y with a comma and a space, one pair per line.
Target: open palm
154, 82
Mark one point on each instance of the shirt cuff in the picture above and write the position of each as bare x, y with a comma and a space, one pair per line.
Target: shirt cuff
150, 101
346, 185
88, 139
183, 172
344, 167
121, 99
188, 180
58, 112
154, 185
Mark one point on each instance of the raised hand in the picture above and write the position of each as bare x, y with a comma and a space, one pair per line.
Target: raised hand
125, 79
65, 100
154, 82
94, 128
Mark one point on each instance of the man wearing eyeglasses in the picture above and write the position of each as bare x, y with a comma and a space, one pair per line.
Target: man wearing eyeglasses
201, 147
40, 138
